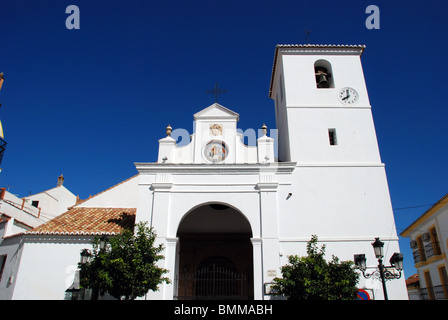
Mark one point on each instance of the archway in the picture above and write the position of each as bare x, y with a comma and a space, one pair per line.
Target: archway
215, 254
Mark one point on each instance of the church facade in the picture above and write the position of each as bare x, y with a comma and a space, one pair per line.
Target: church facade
230, 214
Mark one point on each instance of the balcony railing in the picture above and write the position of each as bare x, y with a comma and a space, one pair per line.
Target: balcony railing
431, 249
418, 256
434, 293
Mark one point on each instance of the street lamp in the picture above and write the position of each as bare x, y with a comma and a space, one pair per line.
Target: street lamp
85, 254
103, 242
378, 248
384, 274
397, 261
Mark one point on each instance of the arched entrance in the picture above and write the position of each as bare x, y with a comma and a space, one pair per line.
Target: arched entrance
215, 254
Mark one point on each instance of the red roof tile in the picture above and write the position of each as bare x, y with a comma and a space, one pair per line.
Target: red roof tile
412, 279
89, 221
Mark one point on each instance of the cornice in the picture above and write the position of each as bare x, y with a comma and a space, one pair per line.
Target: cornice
203, 168
66, 237
267, 186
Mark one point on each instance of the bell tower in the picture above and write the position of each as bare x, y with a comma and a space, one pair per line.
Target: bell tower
322, 109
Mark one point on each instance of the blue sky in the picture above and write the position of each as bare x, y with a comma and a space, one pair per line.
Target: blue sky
89, 103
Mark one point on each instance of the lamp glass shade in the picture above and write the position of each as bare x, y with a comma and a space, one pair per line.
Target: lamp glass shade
360, 261
84, 256
397, 261
378, 248
103, 241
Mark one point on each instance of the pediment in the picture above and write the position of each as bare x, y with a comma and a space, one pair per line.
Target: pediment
216, 111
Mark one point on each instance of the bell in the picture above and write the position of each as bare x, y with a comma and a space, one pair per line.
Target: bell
321, 77
322, 81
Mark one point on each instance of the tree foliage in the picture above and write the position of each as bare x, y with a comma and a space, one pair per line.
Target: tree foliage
313, 278
127, 269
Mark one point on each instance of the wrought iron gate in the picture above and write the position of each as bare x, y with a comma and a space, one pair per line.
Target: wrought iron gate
213, 282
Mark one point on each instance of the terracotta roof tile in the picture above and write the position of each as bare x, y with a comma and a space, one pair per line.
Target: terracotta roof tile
89, 221
412, 279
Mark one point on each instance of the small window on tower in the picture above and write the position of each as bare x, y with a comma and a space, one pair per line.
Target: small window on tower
332, 137
324, 74
35, 203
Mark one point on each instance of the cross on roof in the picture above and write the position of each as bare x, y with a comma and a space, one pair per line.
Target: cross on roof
216, 91
307, 35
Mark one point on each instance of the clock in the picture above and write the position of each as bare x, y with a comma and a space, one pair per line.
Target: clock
215, 151
348, 95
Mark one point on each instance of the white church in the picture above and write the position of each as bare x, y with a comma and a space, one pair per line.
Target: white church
233, 212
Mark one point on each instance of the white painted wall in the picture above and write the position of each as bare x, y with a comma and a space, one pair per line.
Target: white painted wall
48, 266
10, 249
238, 152
53, 202
122, 195
24, 216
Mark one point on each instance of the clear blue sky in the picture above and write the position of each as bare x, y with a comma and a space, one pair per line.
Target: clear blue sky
89, 103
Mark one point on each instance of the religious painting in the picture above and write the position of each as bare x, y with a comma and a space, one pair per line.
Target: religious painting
215, 151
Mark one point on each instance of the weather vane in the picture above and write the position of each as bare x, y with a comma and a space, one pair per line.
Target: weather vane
307, 35
216, 91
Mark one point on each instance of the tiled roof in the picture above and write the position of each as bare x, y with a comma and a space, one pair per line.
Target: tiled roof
353, 46
412, 279
89, 221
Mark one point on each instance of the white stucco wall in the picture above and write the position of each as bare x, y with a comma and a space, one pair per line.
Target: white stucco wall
11, 250
48, 266
122, 195
52, 202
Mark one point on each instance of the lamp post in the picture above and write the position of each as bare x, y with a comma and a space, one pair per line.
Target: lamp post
85, 255
103, 242
103, 247
396, 262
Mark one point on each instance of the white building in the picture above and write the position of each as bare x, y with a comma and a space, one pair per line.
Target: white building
217, 204
429, 241
24, 214
19, 215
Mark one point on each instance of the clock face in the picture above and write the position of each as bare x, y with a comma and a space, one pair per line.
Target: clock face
215, 151
348, 95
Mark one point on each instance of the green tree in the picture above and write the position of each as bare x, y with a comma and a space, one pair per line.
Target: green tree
313, 278
127, 268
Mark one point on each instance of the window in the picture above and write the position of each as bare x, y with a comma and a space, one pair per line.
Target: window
35, 203
332, 137
421, 248
323, 74
435, 241
429, 288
